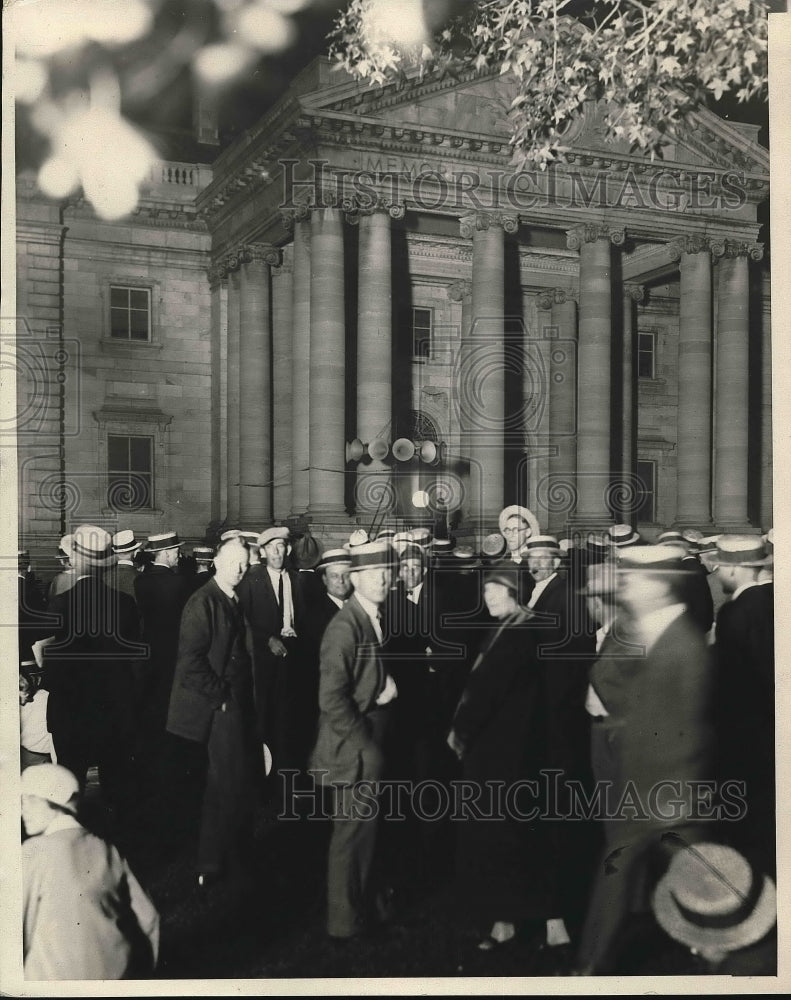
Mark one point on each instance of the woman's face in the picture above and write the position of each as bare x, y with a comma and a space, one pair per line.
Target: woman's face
500, 600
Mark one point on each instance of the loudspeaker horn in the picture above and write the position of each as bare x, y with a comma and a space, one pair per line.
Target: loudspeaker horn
403, 450
378, 449
354, 450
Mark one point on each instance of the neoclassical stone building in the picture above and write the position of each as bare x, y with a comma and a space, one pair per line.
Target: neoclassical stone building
593, 340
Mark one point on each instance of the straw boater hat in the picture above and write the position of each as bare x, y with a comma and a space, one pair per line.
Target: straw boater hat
385, 535
515, 510
93, 546
372, 555
275, 533
652, 559
52, 782
598, 547
623, 534
233, 533
543, 543
400, 540
738, 550
125, 543
710, 898
251, 537
358, 537
64, 545
334, 557
203, 553
504, 572
421, 537
159, 543
493, 546
671, 536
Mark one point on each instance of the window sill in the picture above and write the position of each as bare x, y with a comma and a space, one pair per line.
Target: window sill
111, 344
137, 512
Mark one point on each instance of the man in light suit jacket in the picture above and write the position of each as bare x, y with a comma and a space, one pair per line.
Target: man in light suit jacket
354, 690
272, 599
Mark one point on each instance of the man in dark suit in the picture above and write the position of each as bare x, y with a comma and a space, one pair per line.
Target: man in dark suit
212, 704
161, 594
664, 743
745, 684
124, 573
89, 671
272, 601
333, 572
354, 691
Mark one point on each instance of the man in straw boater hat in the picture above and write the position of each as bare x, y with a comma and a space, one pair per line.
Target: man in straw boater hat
161, 593
66, 577
274, 605
354, 693
85, 915
517, 524
89, 671
664, 743
744, 660
125, 547
212, 704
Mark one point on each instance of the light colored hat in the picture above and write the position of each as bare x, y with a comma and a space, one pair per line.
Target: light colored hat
159, 543
421, 537
738, 550
372, 555
385, 535
505, 572
251, 537
623, 534
64, 545
515, 510
334, 557
538, 543
413, 551
710, 898
670, 536
598, 547
273, 534
125, 543
464, 553
652, 558
493, 545
400, 540
202, 553
769, 538
358, 537
232, 533
52, 782
93, 545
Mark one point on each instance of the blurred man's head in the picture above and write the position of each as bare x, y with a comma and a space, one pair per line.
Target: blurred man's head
230, 562
371, 570
650, 577
48, 790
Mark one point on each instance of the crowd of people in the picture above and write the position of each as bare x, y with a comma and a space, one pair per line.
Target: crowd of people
574, 729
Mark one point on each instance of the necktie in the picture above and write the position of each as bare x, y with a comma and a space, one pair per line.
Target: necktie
280, 597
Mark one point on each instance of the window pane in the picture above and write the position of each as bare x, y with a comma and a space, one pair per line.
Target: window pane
646, 473
140, 454
117, 453
139, 325
140, 490
422, 347
119, 323
138, 298
119, 296
645, 365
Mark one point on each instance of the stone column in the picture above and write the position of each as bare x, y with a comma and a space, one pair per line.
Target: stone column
300, 365
632, 294
766, 510
594, 477
327, 363
562, 409
732, 389
255, 386
217, 273
482, 375
461, 291
282, 393
233, 391
374, 352
693, 506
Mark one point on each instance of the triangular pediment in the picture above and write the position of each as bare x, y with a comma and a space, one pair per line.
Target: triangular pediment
478, 105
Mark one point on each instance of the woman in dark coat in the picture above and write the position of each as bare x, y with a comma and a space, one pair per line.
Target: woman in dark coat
498, 734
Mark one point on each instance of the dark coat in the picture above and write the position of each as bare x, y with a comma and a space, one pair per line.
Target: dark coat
696, 593
213, 665
122, 576
259, 600
161, 595
352, 676
34, 622
500, 726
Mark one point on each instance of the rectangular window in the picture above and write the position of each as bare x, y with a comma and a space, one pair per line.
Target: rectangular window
130, 472
646, 473
421, 333
646, 351
130, 313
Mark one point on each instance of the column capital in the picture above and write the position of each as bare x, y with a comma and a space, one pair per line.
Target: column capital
358, 205
485, 220
230, 261
459, 290
548, 297
290, 216
216, 272
259, 253
737, 248
589, 232
634, 291
694, 243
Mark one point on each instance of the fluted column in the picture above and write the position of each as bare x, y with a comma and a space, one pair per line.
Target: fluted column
562, 408
731, 418
693, 506
482, 384
217, 273
632, 294
374, 349
233, 391
300, 365
595, 365
255, 385
282, 393
461, 291
327, 363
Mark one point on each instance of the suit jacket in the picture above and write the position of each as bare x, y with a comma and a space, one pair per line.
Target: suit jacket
319, 616
161, 594
696, 593
352, 676
123, 577
259, 600
213, 665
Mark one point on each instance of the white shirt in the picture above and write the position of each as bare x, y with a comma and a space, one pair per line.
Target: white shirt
33, 733
336, 600
538, 590
275, 575
413, 595
593, 703
519, 555
63, 821
652, 625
